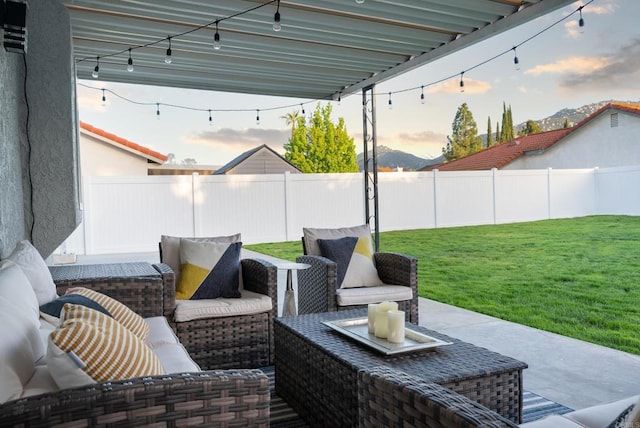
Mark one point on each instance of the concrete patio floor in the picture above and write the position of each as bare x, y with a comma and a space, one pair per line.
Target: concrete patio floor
571, 372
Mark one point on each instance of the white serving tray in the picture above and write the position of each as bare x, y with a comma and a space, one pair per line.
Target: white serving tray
358, 329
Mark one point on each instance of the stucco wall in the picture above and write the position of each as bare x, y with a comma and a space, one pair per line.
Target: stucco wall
104, 159
39, 134
597, 144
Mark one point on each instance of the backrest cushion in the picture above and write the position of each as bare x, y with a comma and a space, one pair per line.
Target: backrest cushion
354, 259
209, 270
311, 236
15, 287
170, 246
34, 267
120, 312
89, 346
20, 347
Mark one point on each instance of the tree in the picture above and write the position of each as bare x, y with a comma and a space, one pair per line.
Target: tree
530, 128
565, 125
498, 140
291, 119
464, 138
320, 145
489, 133
507, 124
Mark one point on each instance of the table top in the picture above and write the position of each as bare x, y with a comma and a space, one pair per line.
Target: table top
292, 266
107, 270
456, 362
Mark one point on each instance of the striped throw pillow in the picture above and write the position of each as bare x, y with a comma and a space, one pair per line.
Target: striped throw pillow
89, 346
118, 311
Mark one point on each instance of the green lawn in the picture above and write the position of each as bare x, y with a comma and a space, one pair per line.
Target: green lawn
576, 277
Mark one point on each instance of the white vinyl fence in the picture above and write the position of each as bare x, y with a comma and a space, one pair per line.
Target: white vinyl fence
128, 214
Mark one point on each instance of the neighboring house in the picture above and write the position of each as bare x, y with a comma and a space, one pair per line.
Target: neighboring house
607, 138
106, 154
260, 160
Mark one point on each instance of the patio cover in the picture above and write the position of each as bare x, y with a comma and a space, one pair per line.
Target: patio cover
326, 48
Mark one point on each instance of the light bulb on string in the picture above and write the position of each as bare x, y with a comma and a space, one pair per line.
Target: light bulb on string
216, 39
276, 19
581, 21
339, 99
96, 69
462, 82
130, 62
257, 117
302, 107
167, 58
104, 98
210, 119
516, 61
158, 111
421, 94
390, 104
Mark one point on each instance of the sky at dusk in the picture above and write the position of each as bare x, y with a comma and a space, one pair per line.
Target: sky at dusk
559, 68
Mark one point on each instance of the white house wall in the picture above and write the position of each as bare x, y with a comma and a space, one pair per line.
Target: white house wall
103, 159
596, 144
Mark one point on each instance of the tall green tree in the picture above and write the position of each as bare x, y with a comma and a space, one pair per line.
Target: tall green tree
489, 133
321, 145
507, 124
291, 119
530, 128
498, 135
565, 124
464, 138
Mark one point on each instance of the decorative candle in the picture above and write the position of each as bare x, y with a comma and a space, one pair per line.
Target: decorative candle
395, 324
388, 306
372, 309
381, 327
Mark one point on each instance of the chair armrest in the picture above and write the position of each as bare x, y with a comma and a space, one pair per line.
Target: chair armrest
388, 397
168, 287
317, 285
397, 269
260, 276
209, 397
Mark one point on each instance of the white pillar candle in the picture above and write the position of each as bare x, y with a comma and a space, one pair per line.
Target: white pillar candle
395, 326
381, 326
372, 309
388, 306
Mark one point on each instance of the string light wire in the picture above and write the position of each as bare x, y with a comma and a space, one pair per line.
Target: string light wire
289, 106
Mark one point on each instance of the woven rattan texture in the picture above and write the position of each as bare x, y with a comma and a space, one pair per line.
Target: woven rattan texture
216, 398
138, 285
317, 285
316, 370
389, 398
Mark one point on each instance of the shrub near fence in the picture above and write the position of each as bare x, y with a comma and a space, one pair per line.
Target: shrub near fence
128, 214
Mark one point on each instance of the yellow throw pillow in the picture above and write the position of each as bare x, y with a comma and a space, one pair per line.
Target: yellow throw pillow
89, 346
118, 311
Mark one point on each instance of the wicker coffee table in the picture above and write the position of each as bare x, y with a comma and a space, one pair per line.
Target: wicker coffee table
316, 370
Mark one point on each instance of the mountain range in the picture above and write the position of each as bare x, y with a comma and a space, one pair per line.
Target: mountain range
390, 158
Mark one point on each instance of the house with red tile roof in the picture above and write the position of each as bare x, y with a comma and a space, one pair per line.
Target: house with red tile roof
103, 153
607, 138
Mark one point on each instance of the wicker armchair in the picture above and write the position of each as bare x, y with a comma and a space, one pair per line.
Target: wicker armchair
390, 398
317, 285
211, 398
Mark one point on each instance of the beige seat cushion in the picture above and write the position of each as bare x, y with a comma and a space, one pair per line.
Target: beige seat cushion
366, 295
249, 303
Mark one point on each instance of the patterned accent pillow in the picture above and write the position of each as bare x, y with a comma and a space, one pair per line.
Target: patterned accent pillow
51, 311
117, 310
89, 347
209, 270
623, 420
354, 259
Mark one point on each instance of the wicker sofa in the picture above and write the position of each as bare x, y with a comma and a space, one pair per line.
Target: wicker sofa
390, 398
182, 396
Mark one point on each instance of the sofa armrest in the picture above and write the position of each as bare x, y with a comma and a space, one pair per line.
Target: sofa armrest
207, 398
388, 397
260, 276
168, 288
317, 285
137, 285
397, 269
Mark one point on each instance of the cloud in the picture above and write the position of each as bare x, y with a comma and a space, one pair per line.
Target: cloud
574, 64
471, 86
605, 7
240, 139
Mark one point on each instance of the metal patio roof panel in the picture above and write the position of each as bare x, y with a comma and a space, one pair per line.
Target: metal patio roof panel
325, 47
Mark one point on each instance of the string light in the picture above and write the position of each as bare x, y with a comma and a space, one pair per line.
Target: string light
167, 58
339, 95
96, 69
257, 117
516, 61
130, 62
216, 39
390, 104
210, 118
104, 98
581, 20
276, 19
158, 111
